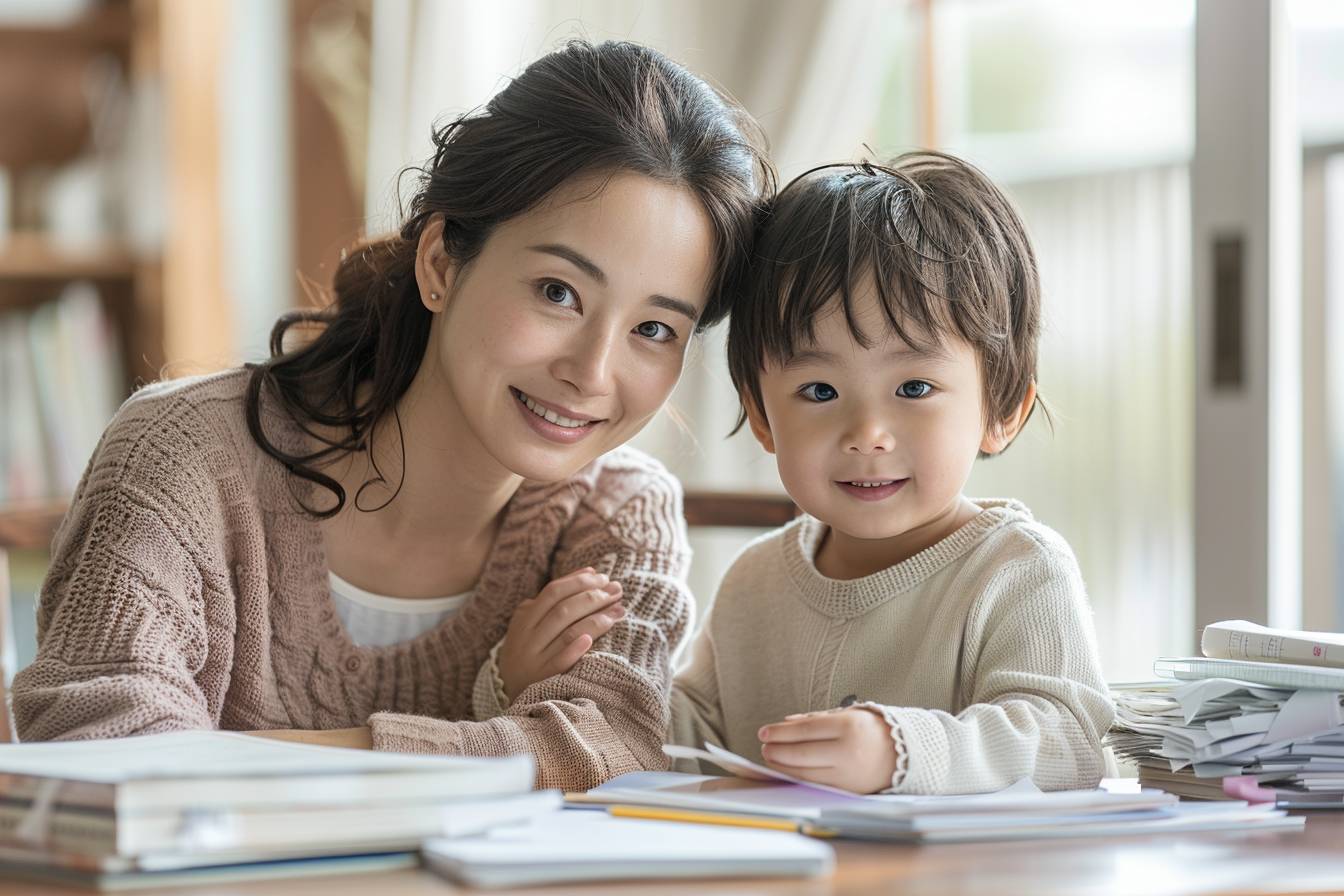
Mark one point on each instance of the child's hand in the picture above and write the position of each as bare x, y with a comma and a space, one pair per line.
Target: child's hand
549, 633
847, 748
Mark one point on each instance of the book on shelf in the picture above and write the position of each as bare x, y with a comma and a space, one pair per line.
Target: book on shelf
1238, 639
61, 384
209, 798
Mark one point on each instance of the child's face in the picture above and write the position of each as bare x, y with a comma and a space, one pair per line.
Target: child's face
840, 417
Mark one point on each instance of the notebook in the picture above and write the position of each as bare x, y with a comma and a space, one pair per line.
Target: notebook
575, 845
1275, 675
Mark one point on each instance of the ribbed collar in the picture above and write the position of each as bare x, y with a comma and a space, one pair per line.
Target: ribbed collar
847, 598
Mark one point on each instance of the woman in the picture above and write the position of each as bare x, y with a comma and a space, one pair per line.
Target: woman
334, 540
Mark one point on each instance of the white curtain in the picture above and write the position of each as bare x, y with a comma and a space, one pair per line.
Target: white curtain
811, 72
1116, 367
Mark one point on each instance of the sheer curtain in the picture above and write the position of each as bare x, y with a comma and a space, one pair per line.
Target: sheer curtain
1116, 369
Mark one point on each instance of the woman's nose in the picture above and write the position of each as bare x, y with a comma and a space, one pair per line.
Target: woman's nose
586, 363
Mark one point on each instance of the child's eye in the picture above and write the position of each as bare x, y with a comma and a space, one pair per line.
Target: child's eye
558, 293
914, 389
819, 392
656, 331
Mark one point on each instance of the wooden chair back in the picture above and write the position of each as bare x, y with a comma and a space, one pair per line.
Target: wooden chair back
749, 510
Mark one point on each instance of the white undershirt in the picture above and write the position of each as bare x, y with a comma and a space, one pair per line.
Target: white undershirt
374, 620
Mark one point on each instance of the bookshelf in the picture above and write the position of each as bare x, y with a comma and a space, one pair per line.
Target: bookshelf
57, 86
48, 121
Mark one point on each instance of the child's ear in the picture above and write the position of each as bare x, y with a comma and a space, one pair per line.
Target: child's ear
999, 436
760, 427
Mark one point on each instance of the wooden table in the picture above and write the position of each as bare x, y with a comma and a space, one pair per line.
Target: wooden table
1310, 861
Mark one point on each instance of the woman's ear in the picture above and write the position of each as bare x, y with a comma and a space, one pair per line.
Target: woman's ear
999, 436
760, 426
434, 269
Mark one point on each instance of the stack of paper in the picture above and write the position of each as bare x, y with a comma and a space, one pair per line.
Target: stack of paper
139, 807
1018, 812
1273, 732
589, 846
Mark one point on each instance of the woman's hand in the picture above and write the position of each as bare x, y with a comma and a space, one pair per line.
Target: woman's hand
549, 633
847, 748
360, 738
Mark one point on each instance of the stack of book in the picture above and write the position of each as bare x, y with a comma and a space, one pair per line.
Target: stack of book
204, 804
1257, 717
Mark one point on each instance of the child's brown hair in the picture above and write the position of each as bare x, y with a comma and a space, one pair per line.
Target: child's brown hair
946, 248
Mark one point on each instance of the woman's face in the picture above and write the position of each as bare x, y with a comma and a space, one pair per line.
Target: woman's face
568, 331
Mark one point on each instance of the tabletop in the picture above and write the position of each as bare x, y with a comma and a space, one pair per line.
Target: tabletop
1307, 861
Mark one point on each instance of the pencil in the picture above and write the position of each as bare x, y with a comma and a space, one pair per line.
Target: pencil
741, 821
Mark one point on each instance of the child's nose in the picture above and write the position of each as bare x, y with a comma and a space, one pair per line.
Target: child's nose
869, 437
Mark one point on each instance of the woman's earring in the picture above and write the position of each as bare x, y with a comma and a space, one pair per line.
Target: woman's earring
434, 297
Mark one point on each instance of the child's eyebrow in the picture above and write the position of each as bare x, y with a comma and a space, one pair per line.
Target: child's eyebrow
817, 356
809, 356
934, 352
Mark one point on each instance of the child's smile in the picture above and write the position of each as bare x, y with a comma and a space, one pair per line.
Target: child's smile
872, 489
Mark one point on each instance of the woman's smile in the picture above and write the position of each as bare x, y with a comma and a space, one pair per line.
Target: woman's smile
556, 424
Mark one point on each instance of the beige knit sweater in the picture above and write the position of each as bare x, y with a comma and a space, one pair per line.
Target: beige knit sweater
979, 651
187, 590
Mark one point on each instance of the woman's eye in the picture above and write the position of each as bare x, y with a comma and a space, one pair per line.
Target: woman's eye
914, 389
558, 293
656, 330
819, 392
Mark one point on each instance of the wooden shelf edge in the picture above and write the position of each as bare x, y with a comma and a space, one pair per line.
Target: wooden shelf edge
104, 24
29, 256
29, 526
752, 510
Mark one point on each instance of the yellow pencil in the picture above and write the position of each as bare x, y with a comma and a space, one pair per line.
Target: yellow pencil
741, 821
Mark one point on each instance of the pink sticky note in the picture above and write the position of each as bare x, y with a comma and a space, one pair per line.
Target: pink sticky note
1245, 787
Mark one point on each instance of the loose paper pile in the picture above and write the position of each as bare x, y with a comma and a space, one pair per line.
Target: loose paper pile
1228, 738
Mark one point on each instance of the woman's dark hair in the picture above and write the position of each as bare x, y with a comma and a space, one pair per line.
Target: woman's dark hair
948, 254
611, 107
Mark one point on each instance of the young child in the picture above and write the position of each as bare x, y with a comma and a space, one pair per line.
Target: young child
898, 636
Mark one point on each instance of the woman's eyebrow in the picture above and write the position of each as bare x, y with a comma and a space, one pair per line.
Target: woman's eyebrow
574, 257
677, 305
589, 267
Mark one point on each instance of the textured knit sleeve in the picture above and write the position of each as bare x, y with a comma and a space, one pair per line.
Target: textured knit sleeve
609, 714
1037, 705
123, 640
